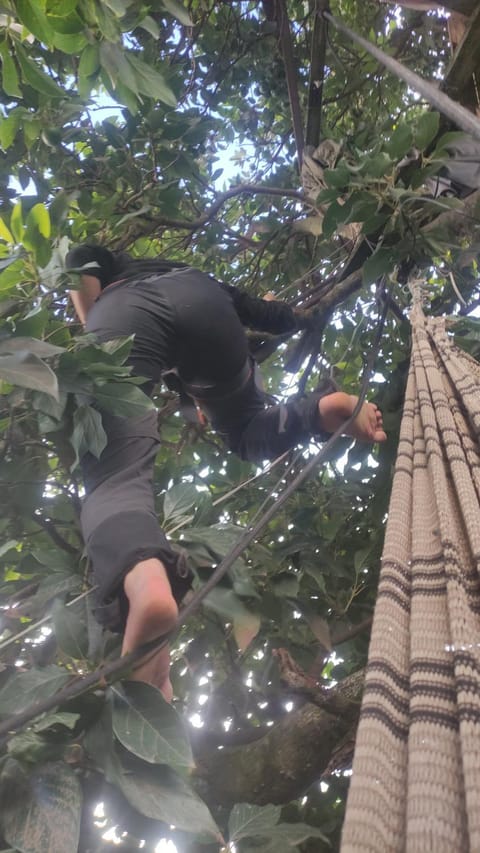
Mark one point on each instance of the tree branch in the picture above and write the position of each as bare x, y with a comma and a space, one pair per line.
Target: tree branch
286, 47
200, 221
278, 767
316, 77
52, 531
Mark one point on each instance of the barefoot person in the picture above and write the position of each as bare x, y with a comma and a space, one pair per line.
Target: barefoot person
189, 330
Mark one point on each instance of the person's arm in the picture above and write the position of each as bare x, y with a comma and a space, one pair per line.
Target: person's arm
264, 315
84, 298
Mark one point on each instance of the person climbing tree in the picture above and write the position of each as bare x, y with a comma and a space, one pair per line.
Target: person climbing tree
188, 330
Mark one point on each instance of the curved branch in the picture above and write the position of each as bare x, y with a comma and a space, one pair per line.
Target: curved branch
210, 213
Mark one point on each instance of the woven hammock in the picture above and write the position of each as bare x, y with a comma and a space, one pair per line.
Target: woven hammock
416, 771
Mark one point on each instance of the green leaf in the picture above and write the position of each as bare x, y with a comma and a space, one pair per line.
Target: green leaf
28, 371
381, 262
426, 129
118, 7
67, 719
179, 501
10, 83
150, 26
70, 630
115, 62
35, 20
157, 792
400, 141
16, 222
24, 688
9, 128
122, 399
230, 607
245, 629
88, 433
150, 82
149, 726
445, 141
39, 217
47, 818
41, 348
337, 178
71, 43
32, 325
378, 166
178, 11
5, 234
36, 77
89, 61
31, 747
247, 821
337, 214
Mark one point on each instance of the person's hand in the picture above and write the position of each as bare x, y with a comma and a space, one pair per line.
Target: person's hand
336, 408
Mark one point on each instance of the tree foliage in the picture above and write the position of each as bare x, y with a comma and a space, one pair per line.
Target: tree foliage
167, 129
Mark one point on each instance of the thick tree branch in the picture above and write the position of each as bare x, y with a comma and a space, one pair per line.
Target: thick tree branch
286, 47
281, 765
316, 77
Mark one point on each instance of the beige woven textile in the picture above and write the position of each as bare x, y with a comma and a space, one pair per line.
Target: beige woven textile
416, 771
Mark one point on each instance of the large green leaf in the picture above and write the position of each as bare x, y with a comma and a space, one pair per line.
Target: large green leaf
400, 141
178, 11
10, 82
71, 631
39, 218
32, 15
36, 77
21, 344
25, 688
150, 82
28, 371
88, 433
231, 608
261, 822
426, 129
157, 792
47, 819
123, 399
114, 60
179, 501
247, 820
381, 262
149, 727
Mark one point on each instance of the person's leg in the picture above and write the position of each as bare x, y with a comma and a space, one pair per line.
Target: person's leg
256, 431
133, 565
152, 612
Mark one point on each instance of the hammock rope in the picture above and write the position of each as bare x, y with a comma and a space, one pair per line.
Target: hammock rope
416, 769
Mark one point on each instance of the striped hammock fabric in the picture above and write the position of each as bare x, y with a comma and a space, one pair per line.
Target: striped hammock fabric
416, 772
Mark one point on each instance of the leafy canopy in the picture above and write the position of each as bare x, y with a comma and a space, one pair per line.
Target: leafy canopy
197, 161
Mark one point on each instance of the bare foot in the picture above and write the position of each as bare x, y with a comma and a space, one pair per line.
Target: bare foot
152, 612
336, 408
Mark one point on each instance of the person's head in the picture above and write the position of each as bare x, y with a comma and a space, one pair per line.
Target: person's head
97, 261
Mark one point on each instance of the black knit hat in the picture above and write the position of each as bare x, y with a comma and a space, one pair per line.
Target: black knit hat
109, 266
92, 260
